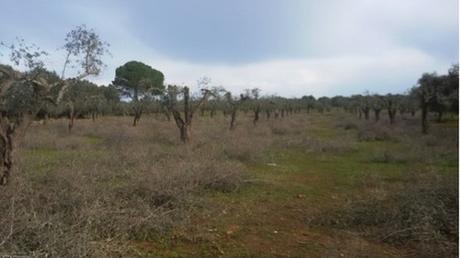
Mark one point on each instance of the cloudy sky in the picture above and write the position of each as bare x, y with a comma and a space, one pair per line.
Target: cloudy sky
284, 47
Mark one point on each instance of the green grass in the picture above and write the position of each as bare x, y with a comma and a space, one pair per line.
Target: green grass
311, 180
283, 189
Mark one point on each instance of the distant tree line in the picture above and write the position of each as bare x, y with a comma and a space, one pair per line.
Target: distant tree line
137, 89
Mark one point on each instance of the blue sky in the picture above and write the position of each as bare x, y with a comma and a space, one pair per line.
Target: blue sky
285, 47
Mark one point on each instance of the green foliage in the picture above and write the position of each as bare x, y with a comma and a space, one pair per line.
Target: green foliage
439, 92
24, 93
19, 99
135, 78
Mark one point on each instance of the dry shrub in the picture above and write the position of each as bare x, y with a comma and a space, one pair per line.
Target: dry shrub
376, 132
389, 157
285, 127
106, 183
347, 124
245, 143
309, 144
422, 214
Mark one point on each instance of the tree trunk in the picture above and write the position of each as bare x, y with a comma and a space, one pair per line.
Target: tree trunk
424, 119
377, 114
232, 119
71, 118
391, 114
440, 113
366, 113
185, 133
6, 150
168, 116
137, 117
137, 113
45, 119
256, 116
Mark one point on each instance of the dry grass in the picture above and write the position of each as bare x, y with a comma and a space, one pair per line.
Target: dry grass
421, 213
107, 184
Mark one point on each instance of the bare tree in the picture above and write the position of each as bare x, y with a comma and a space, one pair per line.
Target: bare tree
234, 104
365, 105
392, 103
254, 94
377, 105
184, 123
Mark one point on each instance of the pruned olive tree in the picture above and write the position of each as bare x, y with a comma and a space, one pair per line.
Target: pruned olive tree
255, 104
408, 103
377, 104
234, 104
392, 103
216, 100
187, 105
365, 105
308, 102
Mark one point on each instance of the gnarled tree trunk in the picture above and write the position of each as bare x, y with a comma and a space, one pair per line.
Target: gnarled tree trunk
377, 114
424, 118
392, 114
233, 119
256, 115
185, 124
72, 116
6, 149
366, 113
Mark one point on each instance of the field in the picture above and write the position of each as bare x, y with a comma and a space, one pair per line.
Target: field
306, 185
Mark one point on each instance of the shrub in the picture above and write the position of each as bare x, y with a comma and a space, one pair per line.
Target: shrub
422, 214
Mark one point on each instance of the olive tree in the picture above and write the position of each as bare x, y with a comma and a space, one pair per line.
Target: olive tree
188, 106
426, 92
21, 95
392, 103
234, 104
365, 105
81, 97
438, 93
308, 102
377, 105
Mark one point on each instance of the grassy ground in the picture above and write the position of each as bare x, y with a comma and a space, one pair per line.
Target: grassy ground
281, 189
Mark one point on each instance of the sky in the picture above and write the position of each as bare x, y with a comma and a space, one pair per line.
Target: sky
289, 48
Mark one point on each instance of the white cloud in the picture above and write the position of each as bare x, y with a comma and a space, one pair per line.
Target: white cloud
348, 74
355, 46
357, 41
